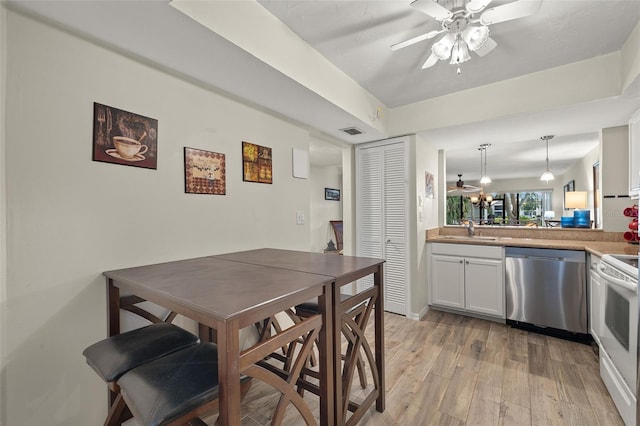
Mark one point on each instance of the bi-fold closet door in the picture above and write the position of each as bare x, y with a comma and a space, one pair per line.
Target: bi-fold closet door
382, 176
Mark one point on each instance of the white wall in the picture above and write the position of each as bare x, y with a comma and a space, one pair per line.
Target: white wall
322, 211
70, 218
614, 172
426, 160
3, 229
582, 173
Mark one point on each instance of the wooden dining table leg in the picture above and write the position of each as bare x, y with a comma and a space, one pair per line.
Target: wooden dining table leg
113, 323
378, 280
326, 359
229, 373
336, 354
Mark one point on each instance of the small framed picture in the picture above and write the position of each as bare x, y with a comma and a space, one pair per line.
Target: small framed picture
204, 172
332, 194
123, 137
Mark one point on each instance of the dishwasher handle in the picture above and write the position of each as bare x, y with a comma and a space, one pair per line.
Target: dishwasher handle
553, 259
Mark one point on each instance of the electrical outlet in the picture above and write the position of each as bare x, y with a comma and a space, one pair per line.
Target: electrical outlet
300, 217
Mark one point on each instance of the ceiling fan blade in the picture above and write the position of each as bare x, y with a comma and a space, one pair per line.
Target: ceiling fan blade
426, 36
433, 9
487, 47
475, 6
431, 61
509, 11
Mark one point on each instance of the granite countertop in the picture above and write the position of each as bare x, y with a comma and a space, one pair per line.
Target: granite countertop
596, 247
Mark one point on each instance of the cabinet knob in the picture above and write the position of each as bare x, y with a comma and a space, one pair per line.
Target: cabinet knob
460, 261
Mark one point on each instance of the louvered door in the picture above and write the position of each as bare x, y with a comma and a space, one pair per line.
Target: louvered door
382, 220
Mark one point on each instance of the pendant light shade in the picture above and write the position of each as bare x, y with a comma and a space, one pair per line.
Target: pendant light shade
547, 175
442, 49
459, 52
485, 179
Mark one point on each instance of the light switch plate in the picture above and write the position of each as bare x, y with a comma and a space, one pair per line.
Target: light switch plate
300, 217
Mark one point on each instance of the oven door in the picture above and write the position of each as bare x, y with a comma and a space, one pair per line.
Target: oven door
619, 330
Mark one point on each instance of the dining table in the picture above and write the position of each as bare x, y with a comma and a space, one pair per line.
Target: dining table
228, 292
343, 270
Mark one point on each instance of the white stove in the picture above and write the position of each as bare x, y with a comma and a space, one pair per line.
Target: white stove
619, 329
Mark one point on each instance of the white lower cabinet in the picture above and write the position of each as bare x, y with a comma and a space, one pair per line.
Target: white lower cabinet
468, 278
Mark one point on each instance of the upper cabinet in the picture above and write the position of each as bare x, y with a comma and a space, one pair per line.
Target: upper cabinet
634, 155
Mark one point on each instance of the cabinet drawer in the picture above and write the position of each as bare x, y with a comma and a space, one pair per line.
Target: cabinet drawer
468, 250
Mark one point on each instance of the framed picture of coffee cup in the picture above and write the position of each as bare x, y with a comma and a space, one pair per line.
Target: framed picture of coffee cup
123, 137
204, 172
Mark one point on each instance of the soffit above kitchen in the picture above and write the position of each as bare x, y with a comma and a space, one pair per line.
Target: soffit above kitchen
354, 37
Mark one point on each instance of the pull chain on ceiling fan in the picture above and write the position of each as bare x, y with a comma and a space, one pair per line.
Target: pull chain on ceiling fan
465, 32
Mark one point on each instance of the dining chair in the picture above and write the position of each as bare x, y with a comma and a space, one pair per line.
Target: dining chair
112, 357
152, 337
310, 308
336, 225
176, 389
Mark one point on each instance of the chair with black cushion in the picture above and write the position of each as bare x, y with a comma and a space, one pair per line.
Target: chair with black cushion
116, 355
176, 389
310, 308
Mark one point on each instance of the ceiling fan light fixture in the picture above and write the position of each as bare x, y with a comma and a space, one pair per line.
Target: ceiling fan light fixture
475, 37
459, 52
442, 48
475, 6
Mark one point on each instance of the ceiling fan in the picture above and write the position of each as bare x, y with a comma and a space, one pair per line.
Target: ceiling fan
461, 188
464, 30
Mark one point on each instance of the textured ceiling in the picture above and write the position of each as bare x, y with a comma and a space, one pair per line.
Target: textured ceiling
357, 35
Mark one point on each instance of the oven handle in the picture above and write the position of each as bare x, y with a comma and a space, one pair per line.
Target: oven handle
616, 281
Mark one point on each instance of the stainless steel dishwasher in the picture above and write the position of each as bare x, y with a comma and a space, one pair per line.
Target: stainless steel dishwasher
546, 288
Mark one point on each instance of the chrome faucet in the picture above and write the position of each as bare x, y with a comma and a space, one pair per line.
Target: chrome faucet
470, 229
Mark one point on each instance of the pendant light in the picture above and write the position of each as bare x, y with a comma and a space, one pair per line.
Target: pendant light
547, 175
485, 179
482, 199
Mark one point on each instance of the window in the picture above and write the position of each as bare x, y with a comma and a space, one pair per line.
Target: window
509, 208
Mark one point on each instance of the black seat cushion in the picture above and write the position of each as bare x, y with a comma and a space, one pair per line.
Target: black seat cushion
163, 390
114, 356
310, 307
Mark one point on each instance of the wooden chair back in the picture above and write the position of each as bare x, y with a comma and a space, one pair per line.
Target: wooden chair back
336, 225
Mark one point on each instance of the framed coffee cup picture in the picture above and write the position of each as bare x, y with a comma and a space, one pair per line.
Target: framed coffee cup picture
123, 137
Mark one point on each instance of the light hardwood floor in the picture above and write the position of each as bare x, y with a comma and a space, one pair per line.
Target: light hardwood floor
453, 370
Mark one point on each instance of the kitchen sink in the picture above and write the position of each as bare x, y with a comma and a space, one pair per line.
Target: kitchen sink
469, 237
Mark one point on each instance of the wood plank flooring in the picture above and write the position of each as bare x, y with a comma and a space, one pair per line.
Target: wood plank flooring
453, 370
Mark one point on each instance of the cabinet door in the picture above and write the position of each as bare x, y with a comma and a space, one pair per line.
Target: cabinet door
447, 281
484, 286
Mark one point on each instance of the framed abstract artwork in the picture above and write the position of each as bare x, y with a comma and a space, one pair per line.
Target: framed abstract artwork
204, 172
256, 163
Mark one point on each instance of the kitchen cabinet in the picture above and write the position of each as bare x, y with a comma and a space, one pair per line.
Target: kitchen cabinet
634, 155
596, 299
468, 278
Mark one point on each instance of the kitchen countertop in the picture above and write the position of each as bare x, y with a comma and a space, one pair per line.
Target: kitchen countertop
596, 247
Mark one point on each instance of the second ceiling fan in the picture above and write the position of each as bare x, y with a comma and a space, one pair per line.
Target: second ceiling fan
464, 31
